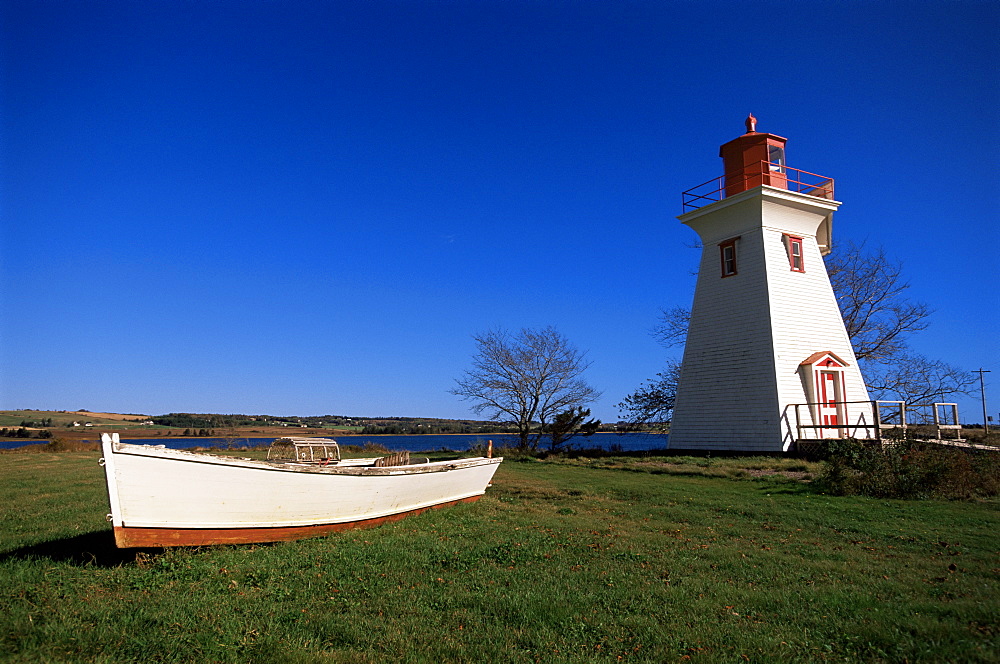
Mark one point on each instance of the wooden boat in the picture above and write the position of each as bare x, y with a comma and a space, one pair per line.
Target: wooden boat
162, 497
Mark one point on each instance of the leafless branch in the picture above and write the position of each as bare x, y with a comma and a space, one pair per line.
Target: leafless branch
916, 379
870, 291
525, 379
672, 328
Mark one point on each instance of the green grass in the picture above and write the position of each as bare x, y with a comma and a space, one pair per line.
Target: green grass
568, 561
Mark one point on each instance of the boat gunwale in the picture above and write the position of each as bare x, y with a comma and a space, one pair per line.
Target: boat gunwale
167, 454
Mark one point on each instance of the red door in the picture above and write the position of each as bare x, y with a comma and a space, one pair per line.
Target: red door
828, 407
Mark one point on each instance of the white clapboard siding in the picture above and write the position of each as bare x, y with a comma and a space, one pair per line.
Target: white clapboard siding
750, 332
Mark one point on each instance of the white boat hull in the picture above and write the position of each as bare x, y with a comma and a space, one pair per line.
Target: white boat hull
162, 497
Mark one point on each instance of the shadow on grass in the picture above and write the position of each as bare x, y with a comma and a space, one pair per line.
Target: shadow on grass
790, 488
96, 548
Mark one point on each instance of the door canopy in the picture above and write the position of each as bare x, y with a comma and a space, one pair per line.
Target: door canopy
823, 360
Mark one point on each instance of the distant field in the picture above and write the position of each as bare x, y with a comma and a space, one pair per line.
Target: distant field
9, 418
83, 414
130, 425
62, 417
559, 562
70, 415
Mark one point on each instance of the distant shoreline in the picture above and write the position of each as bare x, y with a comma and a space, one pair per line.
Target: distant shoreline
129, 425
95, 433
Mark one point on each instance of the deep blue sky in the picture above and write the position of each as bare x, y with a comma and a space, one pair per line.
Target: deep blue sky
310, 207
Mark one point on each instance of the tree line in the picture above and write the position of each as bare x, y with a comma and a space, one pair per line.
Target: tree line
44, 422
203, 421
21, 432
401, 429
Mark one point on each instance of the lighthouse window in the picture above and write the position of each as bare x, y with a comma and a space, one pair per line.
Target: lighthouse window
727, 253
793, 245
776, 155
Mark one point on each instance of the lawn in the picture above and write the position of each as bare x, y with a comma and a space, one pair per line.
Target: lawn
561, 561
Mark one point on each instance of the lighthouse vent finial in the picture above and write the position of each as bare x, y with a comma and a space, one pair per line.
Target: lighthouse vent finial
751, 123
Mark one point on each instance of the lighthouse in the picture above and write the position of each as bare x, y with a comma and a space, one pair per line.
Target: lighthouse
767, 362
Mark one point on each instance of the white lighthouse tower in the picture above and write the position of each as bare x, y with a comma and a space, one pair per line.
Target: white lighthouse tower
767, 360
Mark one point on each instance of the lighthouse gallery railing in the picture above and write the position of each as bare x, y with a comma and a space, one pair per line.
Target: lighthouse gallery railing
784, 177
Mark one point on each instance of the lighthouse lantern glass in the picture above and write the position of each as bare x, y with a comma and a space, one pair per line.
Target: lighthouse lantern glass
776, 155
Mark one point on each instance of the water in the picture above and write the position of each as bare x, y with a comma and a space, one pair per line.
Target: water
627, 442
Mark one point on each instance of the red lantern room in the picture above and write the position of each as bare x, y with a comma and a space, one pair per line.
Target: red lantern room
753, 159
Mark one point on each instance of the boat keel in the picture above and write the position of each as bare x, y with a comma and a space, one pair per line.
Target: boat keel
131, 538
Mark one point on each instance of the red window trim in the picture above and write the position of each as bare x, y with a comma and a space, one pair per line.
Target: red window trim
790, 242
728, 244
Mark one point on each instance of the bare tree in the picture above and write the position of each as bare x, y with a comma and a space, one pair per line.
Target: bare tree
525, 379
879, 318
870, 291
672, 330
231, 437
916, 379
